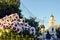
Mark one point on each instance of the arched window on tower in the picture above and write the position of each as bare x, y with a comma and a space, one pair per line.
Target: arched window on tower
52, 29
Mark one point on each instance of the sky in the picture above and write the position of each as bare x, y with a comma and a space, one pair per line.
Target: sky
42, 9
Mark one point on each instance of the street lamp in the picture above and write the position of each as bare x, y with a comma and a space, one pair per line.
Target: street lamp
43, 30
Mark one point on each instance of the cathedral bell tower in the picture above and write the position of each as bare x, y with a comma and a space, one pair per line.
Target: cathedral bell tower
52, 25
51, 21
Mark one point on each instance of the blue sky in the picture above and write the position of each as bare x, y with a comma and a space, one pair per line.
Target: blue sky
41, 9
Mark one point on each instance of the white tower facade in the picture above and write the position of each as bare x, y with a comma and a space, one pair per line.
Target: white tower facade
52, 25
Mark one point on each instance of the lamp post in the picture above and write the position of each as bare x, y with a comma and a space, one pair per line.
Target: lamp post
43, 30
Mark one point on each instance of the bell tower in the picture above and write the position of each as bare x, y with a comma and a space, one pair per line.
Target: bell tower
52, 25
51, 21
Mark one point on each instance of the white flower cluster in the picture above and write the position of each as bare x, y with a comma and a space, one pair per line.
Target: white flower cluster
12, 21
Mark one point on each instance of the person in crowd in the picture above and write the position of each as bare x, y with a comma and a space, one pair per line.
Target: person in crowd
48, 36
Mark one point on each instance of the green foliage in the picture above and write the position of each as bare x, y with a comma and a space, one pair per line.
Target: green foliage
6, 9
10, 2
42, 26
32, 22
15, 36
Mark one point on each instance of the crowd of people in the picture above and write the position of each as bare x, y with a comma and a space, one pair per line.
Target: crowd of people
48, 36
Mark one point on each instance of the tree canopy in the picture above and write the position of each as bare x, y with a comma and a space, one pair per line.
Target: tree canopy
9, 7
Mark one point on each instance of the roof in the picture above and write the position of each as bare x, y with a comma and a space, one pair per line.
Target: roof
51, 16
